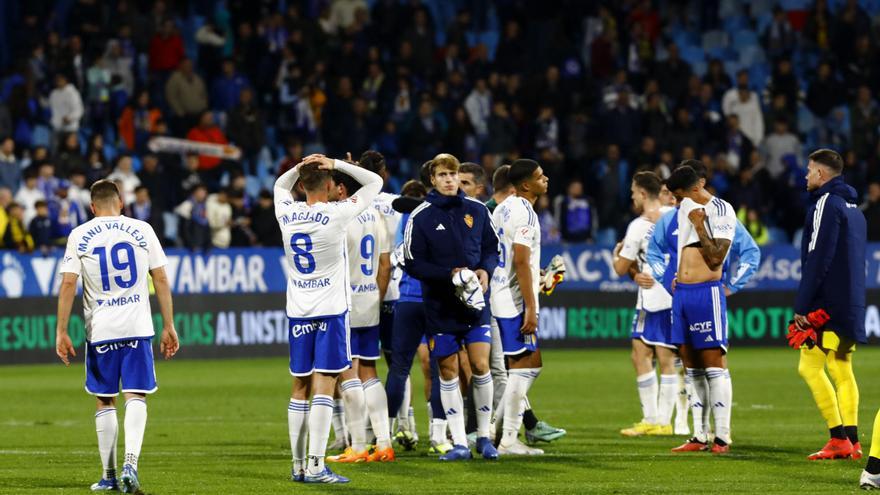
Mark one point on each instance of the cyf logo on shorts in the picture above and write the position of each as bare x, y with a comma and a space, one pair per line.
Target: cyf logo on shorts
702, 327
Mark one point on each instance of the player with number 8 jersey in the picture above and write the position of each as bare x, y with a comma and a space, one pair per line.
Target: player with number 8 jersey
318, 299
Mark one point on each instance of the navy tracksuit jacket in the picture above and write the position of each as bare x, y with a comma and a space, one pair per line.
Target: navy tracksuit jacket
444, 233
833, 260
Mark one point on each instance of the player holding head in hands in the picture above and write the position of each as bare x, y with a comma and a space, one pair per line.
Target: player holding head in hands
699, 309
113, 254
514, 300
318, 299
652, 322
450, 246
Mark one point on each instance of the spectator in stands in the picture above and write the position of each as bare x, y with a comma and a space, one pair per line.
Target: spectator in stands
138, 122
28, 195
219, 215
864, 118
5, 201
65, 105
745, 104
66, 214
208, 132
779, 38
824, 93
478, 105
673, 74
263, 222
718, 78
186, 96
69, 155
573, 214
777, 145
226, 89
549, 227
622, 124
502, 132
211, 41
241, 233
426, 132
246, 128
871, 209
40, 228
751, 219
78, 191
166, 50
119, 64
47, 181
124, 174
10, 167
17, 236
194, 229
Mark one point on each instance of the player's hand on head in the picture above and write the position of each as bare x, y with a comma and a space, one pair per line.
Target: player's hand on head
697, 216
530, 322
64, 347
169, 343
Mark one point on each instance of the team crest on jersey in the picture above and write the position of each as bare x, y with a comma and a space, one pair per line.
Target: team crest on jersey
469, 221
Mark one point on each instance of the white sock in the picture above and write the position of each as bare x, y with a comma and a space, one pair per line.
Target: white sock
339, 421
698, 393
721, 394
450, 396
107, 427
438, 431
377, 406
135, 424
681, 402
297, 429
355, 407
668, 395
411, 420
320, 417
519, 381
403, 412
483, 390
647, 384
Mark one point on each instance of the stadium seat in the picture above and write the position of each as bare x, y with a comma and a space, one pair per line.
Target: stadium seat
795, 4
606, 237
714, 39
731, 68
735, 23
490, 39
796, 240
744, 38
752, 55
777, 235
700, 68
171, 221
806, 121
762, 10
692, 54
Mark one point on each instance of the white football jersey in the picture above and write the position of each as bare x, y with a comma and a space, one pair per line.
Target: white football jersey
382, 203
367, 239
114, 255
517, 223
635, 248
720, 222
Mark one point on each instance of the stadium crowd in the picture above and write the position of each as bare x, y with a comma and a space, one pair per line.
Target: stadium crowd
593, 90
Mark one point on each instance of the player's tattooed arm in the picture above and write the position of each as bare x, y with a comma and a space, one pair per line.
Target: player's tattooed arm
713, 250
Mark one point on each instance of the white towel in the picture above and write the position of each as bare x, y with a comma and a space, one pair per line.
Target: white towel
468, 289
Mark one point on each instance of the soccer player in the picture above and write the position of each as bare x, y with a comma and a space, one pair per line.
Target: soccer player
833, 279
699, 310
472, 179
318, 299
651, 334
446, 235
739, 267
369, 267
514, 295
536, 430
113, 254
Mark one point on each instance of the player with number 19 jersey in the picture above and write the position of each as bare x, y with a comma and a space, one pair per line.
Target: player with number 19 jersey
114, 255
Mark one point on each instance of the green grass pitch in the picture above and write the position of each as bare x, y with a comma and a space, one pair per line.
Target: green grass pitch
220, 427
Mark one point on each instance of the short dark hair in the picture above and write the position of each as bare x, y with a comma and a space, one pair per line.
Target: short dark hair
41, 203
472, 168
425, 173
829, 158
501, 178
346, 180
104, 190
649, 181
682, 178
141, 188
265, 194
373, 161
698, 166
521, 170
311, 177
414, 189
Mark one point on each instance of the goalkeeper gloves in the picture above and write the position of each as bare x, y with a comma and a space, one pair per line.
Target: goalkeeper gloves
798, 337
553, 275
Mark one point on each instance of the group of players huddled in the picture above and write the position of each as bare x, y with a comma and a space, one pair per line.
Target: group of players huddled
437, 273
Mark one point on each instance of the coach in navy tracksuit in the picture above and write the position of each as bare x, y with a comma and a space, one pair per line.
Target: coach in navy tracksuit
444, 235
833, 279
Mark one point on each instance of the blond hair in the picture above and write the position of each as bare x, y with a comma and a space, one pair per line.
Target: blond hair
445, 160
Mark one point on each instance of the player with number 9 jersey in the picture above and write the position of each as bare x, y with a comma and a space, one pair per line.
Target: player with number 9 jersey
366, 240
